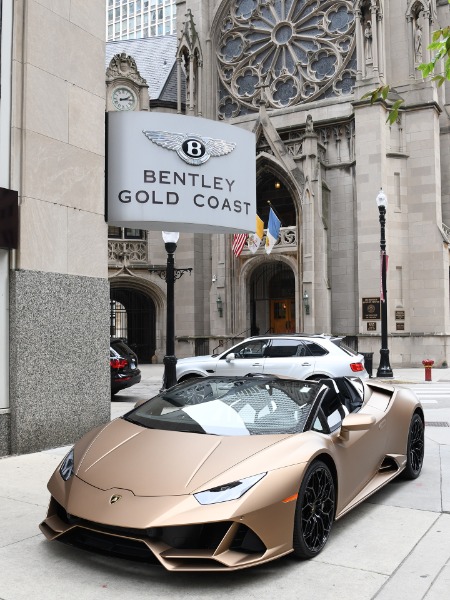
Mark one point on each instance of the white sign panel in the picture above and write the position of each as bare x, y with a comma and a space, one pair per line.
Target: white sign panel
177, 173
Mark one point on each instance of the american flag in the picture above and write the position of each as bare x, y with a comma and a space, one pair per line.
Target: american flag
239, 240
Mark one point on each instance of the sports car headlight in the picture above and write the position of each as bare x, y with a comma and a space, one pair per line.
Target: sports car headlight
229, 491
66, 468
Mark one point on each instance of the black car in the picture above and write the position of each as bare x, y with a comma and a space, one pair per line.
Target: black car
124, 366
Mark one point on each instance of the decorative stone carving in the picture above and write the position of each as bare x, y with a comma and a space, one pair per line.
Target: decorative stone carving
297, 52
309, 124
189, 58
129, 252
123, 65
368, 42
418, 43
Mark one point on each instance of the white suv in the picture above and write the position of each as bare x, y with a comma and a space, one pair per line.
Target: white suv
298, 356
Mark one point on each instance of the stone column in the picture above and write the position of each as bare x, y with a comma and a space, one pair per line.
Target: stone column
411, 49
359, 47
373, 12
191, 84
426, 37
199, 88
380, 32
179, 85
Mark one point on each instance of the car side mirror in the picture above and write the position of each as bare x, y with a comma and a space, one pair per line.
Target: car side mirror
230, 357
356, 422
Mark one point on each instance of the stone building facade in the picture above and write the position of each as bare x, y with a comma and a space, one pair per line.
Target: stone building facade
296, 73
55, 381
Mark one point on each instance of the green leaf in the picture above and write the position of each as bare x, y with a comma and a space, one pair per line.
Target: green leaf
393, 112
375, 95
435, 45
426, 69
440, 80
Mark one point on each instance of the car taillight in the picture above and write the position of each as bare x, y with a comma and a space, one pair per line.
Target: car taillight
356, 367
118, 363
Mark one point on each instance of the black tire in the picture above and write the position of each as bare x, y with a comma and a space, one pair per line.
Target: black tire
415, 449
314, 514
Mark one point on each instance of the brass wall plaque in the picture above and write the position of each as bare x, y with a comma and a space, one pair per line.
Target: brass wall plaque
399, 315
371, 309
400, 326
371, 325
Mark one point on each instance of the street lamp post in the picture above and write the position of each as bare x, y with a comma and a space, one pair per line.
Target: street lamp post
170, 274
384, 368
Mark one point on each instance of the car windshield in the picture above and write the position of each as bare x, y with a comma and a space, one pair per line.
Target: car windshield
230, 406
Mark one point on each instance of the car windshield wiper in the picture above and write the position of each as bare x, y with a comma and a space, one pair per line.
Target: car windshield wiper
191, 431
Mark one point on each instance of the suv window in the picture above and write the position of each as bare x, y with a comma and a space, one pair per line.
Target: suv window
315, 349
284, 348
344, 347
252, 349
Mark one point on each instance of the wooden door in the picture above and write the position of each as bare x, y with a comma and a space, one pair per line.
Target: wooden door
282, 316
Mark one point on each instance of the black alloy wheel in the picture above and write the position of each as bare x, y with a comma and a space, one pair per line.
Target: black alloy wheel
314, 514
415, 449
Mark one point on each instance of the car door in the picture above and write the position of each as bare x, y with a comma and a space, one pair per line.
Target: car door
289, 357
360, 455
245, 358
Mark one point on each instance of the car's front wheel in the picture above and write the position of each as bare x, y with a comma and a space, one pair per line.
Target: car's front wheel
415, 448
314, 514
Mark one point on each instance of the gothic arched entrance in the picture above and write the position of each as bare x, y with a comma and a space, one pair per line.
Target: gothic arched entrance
133, 316
272, 299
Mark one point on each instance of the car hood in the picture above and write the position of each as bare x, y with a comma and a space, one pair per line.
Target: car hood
196, 359
153, 462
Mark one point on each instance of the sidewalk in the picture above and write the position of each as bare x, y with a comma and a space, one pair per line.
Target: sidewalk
416, 375
394, 546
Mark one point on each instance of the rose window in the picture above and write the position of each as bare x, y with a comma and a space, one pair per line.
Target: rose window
289, 51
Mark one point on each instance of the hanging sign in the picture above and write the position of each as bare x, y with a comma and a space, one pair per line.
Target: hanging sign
178, 173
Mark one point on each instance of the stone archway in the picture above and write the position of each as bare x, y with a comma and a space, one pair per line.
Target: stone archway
135, 314
133, 317
272, 298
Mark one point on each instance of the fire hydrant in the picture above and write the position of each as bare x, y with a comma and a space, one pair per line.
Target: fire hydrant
428, 363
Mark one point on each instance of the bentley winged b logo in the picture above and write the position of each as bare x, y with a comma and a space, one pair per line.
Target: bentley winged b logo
190, 147
114, 498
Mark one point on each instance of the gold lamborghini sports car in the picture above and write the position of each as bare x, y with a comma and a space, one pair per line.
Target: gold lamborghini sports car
222, 473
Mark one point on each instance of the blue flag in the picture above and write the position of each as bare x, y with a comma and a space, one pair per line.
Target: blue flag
273, 231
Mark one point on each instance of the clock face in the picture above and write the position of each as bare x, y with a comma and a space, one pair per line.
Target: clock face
123, 98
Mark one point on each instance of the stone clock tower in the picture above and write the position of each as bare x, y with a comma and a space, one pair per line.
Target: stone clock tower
125, 88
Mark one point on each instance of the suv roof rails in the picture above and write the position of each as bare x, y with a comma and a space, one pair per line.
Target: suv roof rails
327, 336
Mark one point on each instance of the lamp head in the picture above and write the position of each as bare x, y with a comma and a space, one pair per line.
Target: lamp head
219, 306
381, 199
306, 302
170, 237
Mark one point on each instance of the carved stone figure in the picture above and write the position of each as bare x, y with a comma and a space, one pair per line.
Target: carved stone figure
418, 43
368, 39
